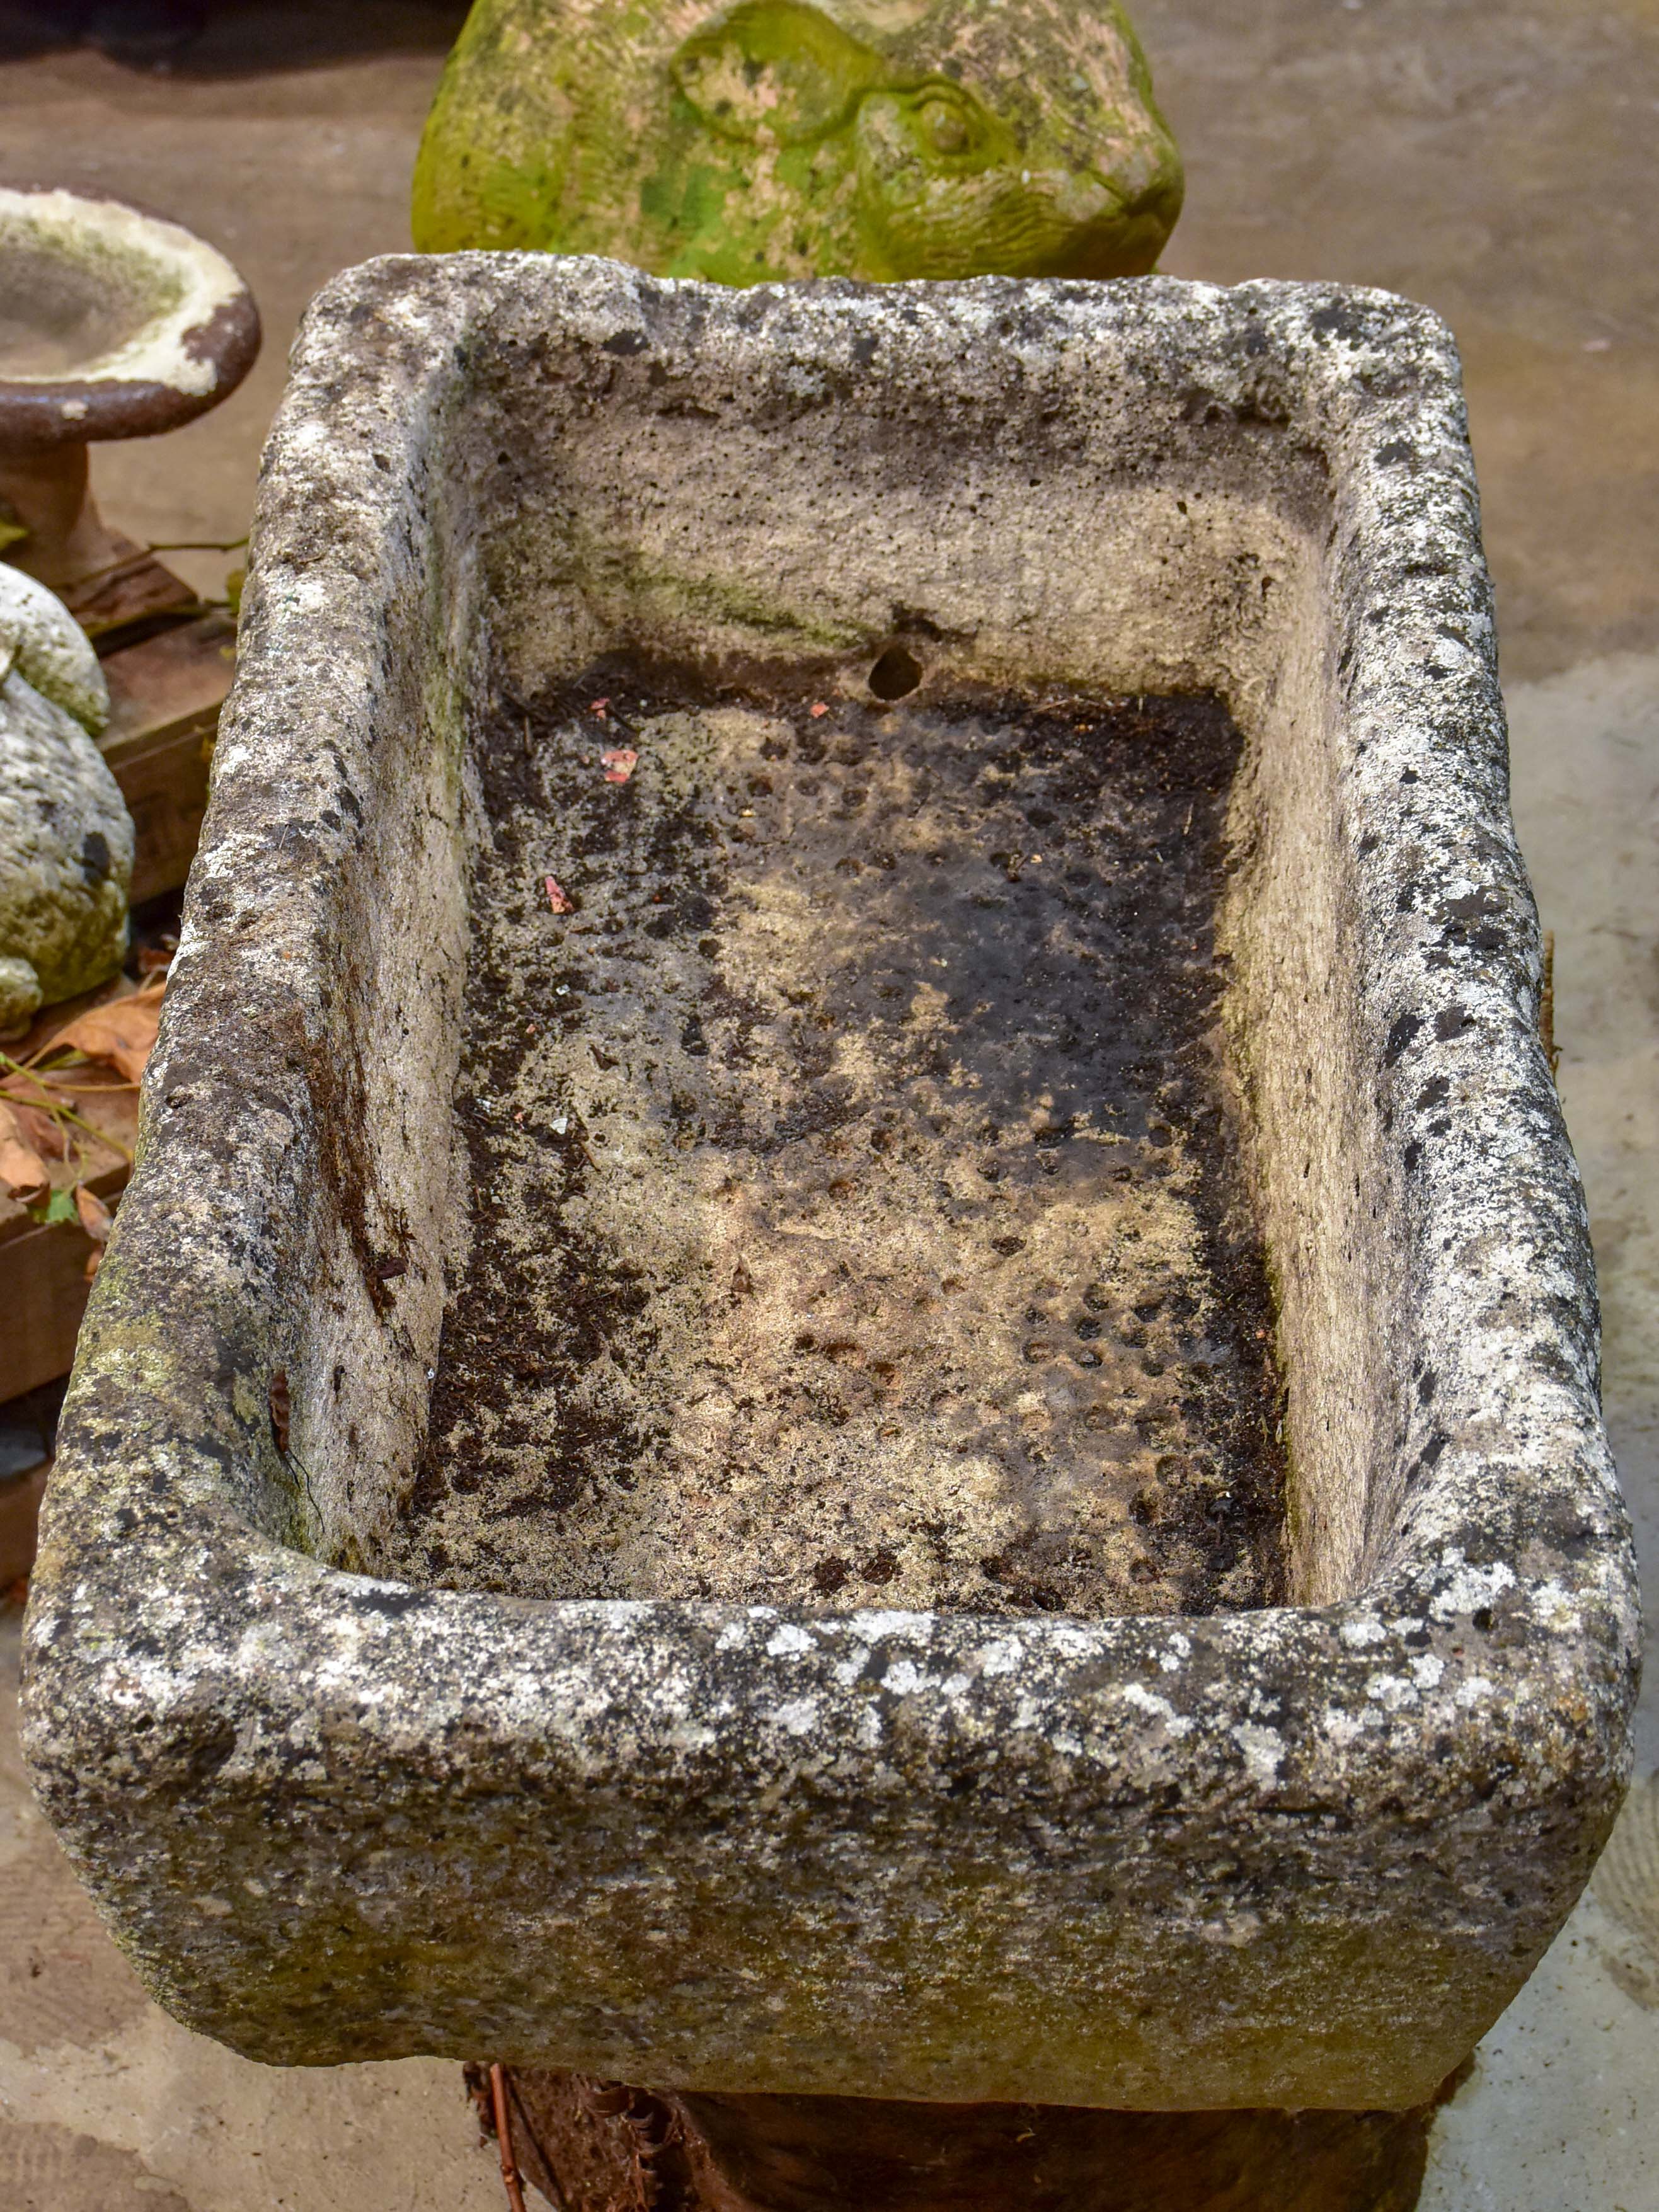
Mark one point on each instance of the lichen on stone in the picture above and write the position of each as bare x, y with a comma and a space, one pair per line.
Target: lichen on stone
933, 138
66, 838
1300, 1855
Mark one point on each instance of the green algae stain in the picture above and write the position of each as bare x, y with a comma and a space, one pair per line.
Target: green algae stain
881, 139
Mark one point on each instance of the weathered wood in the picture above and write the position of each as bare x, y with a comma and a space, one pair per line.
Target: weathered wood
42, 1293
592, 2145
43, 1279
165, 696
132, 588
20, 1511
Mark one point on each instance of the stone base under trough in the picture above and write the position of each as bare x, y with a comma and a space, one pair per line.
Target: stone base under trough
592, 2146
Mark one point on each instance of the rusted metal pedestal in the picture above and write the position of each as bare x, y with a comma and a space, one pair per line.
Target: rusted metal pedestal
592, 2146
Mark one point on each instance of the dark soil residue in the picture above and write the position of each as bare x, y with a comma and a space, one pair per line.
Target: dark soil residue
854, 1215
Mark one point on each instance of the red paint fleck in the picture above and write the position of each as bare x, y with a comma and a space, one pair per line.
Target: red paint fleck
559, 900
617, 761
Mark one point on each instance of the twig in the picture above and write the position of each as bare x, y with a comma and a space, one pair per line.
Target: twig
305, 1476
60, 1078
60, 1112
136, 559
1546, 1006
140, 553
198, 544
30, 1069
510, 2180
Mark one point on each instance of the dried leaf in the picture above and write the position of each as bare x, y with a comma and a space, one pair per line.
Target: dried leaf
95, 1216
559, 900
121, 1032
816, 709
48, 1136
282, 1409
618, 763
22, 1171
94, 1261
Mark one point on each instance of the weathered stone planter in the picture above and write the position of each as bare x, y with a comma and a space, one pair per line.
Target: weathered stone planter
980, 1849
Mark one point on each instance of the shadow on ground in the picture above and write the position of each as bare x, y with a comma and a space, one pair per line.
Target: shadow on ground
228, 37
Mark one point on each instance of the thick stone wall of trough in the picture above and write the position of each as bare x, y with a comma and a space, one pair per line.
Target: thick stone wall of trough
1297, 1857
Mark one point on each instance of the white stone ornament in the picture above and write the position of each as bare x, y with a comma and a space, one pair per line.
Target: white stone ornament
66, 838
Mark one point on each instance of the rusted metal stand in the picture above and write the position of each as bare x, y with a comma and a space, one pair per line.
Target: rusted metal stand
592, 2146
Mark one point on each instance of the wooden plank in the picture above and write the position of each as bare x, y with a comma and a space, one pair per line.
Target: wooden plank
43, 1294
43, 1278
19, 1510
135, 588
165, 696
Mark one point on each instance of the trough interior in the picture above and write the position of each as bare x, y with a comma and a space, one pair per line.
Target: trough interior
847, 1205
627, 1360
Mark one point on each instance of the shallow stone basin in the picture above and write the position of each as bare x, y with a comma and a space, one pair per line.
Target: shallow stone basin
114, 324
443, 1640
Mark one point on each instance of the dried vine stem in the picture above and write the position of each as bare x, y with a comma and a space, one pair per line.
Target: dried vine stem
510, 2180
1546, 1006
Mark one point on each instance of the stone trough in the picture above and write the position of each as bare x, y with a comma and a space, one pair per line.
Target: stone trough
855, 1353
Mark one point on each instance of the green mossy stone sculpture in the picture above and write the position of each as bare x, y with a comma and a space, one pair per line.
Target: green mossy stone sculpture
881, 139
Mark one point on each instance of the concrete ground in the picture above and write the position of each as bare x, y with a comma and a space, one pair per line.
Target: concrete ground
1492, 157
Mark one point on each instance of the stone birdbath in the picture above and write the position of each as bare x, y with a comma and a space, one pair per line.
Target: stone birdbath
848, 1399
114, 324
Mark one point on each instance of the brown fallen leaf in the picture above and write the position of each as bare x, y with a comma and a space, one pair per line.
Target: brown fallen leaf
559, 899
121, 1032
47, 1137
618, 763
23, 1173
95, 1216
281, 1409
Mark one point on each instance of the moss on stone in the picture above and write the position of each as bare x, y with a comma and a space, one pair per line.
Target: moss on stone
778, 140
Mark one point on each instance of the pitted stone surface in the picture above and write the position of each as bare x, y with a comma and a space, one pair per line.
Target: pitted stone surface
1301, 1856
65, 833
851, 1188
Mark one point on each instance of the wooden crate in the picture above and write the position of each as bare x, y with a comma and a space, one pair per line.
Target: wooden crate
43, 1265
165, 696
166, 690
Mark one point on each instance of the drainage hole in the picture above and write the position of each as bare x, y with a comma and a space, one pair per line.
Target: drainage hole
897, 672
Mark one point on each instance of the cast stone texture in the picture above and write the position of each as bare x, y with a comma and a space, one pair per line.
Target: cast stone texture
1299, 1856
